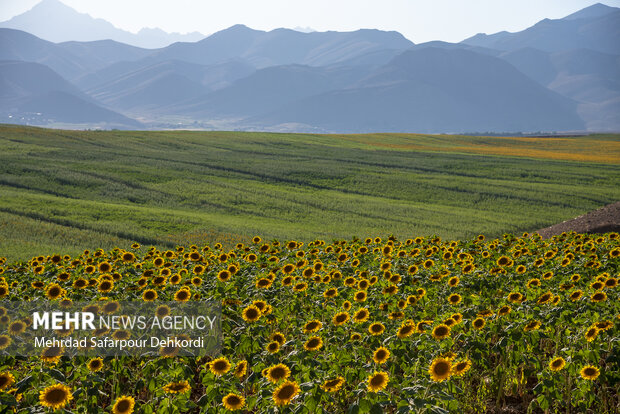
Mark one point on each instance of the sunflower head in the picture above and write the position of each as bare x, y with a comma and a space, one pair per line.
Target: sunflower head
589, 373
377, 381
219, 366
233, 401
278, 372
440, 369
376, 328
461, 367
441, 332
6, 380
381, 355
556, 364
314, 343
251, 314
333, 385
95, 364
124, 405
55, 396
478, 323
285, 393
406, 330
177, 387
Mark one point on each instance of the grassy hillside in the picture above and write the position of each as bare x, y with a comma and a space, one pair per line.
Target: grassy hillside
63, 191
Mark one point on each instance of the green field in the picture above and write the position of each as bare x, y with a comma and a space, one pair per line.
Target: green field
63, 191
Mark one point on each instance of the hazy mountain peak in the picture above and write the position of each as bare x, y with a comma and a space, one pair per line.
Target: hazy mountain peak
304, 29
596, 10
594, 27
83, 27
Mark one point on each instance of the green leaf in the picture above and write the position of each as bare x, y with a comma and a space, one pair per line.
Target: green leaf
202, 401
57, 375
23, 384
354, 409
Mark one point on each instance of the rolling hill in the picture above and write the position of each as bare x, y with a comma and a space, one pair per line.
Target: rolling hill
436, 90
33, 92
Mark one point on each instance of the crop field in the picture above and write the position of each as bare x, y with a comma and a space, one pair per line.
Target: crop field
426, 325
65, 191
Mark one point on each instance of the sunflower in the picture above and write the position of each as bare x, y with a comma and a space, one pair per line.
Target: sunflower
285, 393
278, 337
54, 291
121, 334
515, 297
504, 310
376, 328
591, 334
333, 385
273, 347
128, 257
544, 298
219, 366
183, 295
177, 387
611, 282
440, 369
556, 364
461, 367
261, 305
478, 323
381, 355
406, 330
604, 325
6, 380
251, 314
4, 290
441, 332
504, 261
105, 286
124, 405
233, 402
598, 297
312, 326
360, 296
361, 315
532, 326
278, 372
589, 372
17, 327
314, 343
55, 396
95, 364
340, 318
377, 381
52, 354
241, 368
111, 307
454, 299
533, 283
468, 268
162, 311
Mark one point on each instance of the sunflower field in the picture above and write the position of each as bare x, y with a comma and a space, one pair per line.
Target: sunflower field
514, 324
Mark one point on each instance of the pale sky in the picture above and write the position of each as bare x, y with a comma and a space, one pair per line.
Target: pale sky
418, 20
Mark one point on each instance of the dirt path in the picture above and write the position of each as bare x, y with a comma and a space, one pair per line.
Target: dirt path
604, 220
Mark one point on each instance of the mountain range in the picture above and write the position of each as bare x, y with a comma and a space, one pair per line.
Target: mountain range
557, 76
